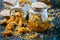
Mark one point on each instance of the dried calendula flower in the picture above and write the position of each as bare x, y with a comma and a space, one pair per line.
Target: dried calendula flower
52, 10
35, 17
51, 18
23, 2
20, 22
49, 6
10, 26
19, 14
58, 13
6, 33
51, 25
21, 30
38, 26
11, 19
4, 20
32, 36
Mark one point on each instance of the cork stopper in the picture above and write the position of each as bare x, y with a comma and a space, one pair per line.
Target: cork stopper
4, 13
38, 6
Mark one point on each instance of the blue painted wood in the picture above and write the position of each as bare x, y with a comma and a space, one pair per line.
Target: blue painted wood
55, 3
47, 32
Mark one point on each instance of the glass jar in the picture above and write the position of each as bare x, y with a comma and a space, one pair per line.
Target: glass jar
38, 17
17, 8
38, 9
